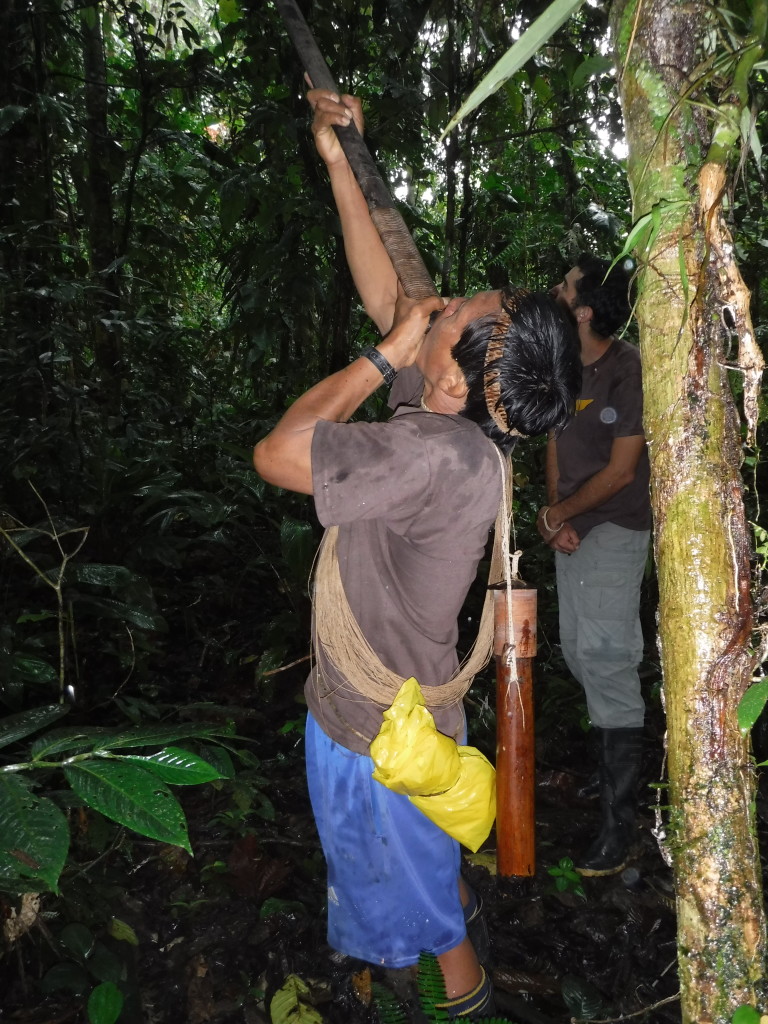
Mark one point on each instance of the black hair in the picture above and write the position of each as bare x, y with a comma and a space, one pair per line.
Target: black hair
608, 297
539, 369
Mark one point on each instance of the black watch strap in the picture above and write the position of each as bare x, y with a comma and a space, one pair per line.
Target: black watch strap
382, 364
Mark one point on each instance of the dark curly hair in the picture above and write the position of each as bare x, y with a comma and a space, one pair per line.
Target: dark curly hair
608, 297
539, 370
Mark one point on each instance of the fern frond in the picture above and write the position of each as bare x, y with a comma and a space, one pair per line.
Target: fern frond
389, 1010
431, 988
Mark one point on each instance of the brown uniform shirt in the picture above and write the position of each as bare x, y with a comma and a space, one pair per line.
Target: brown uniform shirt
414, 499
610, 405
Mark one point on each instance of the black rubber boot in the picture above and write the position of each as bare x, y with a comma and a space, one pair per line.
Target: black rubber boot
620, 757
590, 789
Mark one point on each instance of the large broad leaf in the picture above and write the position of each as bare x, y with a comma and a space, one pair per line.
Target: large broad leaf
59, 741
107, 607
150, 736
30, 669
176, 766
529, 43
34, 836
131, 796
16, 727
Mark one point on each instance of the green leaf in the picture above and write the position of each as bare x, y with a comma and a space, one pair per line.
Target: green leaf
176, 766
287, 1006
77, 939
103, 575
110, 608
746, 1015
150, 736
9, 116
592, 66
229, 11
105, 1003
30, 669
582, 998
35, 617
105, 965
273, 906
751, 705
16, 727
220, 759
645, 230
526, 46
749, 135
131, 796
122, 931
65, 977
59, 741
34, 836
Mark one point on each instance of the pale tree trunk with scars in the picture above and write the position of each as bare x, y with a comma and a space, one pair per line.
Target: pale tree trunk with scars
683, 81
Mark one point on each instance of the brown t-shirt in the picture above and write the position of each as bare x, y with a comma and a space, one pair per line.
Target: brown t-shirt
407, 388
414, 499
610, 405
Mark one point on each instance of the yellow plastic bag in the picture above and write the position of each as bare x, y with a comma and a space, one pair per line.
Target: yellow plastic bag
455, 786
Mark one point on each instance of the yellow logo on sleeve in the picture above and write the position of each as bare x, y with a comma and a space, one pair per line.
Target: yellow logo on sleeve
582, 403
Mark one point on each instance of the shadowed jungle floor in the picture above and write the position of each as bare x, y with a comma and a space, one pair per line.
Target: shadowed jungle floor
213, 938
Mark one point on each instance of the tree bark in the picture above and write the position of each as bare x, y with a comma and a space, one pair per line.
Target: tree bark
101, 152
27, 205
692, 305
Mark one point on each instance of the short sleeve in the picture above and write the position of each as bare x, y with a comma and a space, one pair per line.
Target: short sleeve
369, 470
627, 398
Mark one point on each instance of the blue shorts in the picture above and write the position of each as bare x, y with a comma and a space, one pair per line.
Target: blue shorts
392, 874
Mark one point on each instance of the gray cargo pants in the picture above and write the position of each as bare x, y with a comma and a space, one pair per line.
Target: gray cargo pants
598, 590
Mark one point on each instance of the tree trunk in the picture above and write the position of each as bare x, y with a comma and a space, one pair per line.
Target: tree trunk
102, 153
27, 220
692, 305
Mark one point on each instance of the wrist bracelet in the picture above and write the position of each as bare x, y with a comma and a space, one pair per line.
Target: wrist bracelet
547, 527
382, 364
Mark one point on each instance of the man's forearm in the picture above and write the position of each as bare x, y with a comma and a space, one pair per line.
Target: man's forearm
371, 267
551, 471
593, 493
284, 457
607, 482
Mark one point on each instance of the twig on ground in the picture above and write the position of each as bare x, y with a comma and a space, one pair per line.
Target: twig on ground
626, 1016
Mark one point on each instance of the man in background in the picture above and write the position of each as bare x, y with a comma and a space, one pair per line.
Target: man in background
598, 523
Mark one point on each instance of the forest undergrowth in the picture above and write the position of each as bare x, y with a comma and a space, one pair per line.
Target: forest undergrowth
216, 936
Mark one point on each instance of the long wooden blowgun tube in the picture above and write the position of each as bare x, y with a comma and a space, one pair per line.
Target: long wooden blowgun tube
395, 236
515, 755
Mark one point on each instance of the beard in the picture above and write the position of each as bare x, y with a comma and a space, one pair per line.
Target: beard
567, 310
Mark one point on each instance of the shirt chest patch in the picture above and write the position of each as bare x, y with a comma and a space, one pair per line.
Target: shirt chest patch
582, 403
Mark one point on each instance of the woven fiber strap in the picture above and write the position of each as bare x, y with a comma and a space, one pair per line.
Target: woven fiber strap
337, 632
